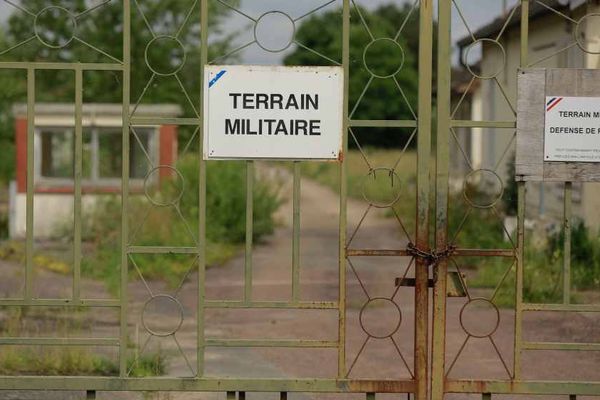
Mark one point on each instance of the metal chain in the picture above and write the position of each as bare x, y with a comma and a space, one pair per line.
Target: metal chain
431, 257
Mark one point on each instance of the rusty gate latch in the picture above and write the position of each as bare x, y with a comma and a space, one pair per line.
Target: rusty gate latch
455, 287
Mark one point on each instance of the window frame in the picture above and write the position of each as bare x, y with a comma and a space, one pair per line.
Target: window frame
94, 180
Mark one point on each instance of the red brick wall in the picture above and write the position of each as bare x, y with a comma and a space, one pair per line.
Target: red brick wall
168, 149
21, 154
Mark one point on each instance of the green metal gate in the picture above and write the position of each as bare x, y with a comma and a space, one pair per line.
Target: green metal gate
430, 256
514, 28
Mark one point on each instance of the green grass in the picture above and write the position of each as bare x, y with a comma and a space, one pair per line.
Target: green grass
69, 361
542, 273
62, 360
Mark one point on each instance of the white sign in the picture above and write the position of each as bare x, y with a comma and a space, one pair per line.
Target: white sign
572, 129
254, 112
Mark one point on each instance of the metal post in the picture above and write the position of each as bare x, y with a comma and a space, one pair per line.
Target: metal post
343, 194
202, 192
524, 32
521, 193
249, 230
125, 188
567, 242
296, 234
77, 176
30, 183
519, 279
423, 183
441, 223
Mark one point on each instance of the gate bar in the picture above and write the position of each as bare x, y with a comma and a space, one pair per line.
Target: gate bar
62, 66
523, 387
441, 222
383, 123
456, 123
295, 343
274, 385
123, 295
560, 346
59, 341
561, 307
60, 303
249, 231
30, 186
521, 193
201, 194
568, 201
300, 305
343, 171
77, 176
296, 234
423, 188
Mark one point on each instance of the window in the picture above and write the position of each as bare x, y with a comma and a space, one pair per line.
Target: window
102, 154
57, 153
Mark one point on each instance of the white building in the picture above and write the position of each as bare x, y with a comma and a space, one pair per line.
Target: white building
554, 42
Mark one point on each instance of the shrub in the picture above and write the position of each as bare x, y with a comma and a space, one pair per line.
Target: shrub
585, 254
226, 199
225, 222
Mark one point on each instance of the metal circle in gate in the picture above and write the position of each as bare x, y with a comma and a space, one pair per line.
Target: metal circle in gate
172, 193
369, 321
59, 16
483, 188
381, 187
372, 56
592, 19
155, 51
265, 36
495, 47
168, 305
479, 317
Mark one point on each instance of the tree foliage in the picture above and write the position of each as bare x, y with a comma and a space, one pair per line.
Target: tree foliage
382, 56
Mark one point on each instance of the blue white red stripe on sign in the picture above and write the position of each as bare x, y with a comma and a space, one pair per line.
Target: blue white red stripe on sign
552, 103
216, 78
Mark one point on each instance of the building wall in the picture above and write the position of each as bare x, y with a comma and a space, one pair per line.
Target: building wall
52, 213
547, 35
591, 191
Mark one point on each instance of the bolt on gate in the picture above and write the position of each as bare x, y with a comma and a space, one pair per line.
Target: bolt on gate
433, 261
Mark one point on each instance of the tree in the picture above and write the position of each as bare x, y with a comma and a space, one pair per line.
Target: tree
382, 100
10, 91
102, 28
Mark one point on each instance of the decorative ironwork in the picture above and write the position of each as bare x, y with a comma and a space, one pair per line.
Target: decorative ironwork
415, 251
